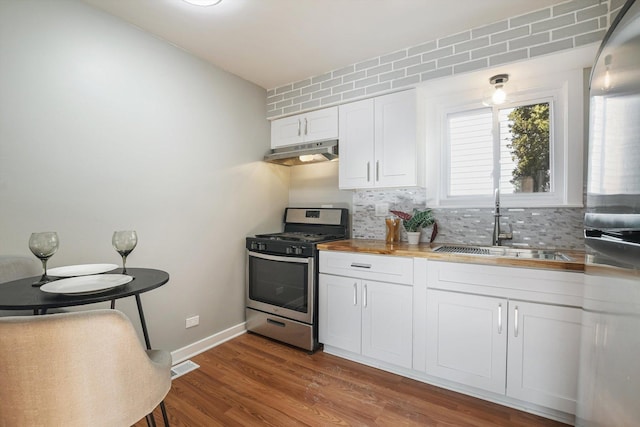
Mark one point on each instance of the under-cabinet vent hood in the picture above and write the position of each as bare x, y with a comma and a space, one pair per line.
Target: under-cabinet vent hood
304, 154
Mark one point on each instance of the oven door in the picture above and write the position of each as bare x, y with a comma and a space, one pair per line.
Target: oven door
281, 285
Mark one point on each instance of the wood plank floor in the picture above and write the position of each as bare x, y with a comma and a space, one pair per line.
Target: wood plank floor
252, 380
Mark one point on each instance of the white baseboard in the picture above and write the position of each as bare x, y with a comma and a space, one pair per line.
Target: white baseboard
205, 344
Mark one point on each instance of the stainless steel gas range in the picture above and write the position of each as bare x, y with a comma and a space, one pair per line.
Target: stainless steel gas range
282, 275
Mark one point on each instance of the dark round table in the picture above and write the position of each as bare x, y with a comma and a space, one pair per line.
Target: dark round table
21, 295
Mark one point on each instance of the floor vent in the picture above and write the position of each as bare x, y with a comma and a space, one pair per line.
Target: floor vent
182, 368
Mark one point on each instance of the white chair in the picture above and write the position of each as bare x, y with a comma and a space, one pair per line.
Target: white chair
78, 369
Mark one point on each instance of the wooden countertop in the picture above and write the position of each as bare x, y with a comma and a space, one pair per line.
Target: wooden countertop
425, 250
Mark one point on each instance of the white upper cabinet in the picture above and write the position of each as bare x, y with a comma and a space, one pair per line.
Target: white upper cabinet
304, 128
378, 142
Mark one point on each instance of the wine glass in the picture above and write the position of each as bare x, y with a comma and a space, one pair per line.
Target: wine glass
43, 245
124, 242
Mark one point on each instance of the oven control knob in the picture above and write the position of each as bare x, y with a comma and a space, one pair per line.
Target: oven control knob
262, 247
289, 250
254, 246
297, 250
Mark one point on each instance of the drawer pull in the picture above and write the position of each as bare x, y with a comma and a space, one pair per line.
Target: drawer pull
364, 297
360, 265
355, 294
275, 322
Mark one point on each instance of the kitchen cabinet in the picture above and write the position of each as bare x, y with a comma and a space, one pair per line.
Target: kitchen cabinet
314, 126
363, 316
467, 339
378, 142
543, 354
486, 330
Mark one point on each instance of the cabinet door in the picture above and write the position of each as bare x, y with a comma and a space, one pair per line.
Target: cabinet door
286, 131
320, 125
467, 339
544, 354
339, 312
387, 322
395, 140
356, 145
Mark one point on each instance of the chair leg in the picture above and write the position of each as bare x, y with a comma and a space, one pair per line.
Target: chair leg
151, 422
165, 418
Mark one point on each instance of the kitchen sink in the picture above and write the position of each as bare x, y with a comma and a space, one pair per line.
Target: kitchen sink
505, 251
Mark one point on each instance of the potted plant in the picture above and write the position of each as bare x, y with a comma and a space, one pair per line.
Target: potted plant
414, 223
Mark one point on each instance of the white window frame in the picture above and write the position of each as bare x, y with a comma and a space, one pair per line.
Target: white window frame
566, 93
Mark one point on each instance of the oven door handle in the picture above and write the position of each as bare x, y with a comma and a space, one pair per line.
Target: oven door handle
280, 258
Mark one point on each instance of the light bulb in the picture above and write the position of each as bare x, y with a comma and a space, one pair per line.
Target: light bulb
499, 96
306, 158
203, 2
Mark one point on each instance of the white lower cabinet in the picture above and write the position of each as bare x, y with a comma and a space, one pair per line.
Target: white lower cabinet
367, 317
543, 354
467, 339
528, 351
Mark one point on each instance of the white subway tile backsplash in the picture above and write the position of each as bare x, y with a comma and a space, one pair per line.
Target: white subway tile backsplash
548, 30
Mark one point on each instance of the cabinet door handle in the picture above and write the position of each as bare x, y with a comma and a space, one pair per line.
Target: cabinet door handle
306, 126
368, 171
515, 321
499, 318
364, 297
355, 294
377, 171
359, 265
299, 127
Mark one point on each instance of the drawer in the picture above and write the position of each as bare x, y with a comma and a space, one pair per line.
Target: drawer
382, 268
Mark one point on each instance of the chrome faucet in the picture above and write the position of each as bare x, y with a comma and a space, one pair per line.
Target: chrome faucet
499, 236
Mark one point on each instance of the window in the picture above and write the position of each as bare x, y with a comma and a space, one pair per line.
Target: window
507, 148
531, 148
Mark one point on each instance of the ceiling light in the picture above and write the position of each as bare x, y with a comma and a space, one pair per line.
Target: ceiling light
498, 95
203, 2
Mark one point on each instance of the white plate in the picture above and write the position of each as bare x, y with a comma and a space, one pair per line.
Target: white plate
80, 270
86, 284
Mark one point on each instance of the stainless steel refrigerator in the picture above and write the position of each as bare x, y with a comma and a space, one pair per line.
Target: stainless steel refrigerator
609, 380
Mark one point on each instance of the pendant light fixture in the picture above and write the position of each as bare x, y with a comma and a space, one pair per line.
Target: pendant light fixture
203, 2
498, 95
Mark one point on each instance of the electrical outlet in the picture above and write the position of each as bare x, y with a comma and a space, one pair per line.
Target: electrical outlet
192, 321
382, 209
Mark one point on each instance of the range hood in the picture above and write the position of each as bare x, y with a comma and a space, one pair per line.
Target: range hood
304, 154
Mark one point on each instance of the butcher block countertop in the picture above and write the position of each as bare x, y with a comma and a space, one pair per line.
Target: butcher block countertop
425, 250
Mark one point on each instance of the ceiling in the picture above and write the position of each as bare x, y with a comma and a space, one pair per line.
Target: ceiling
274, 42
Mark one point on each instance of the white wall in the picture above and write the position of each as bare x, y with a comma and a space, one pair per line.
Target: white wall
316, 184
104, 127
